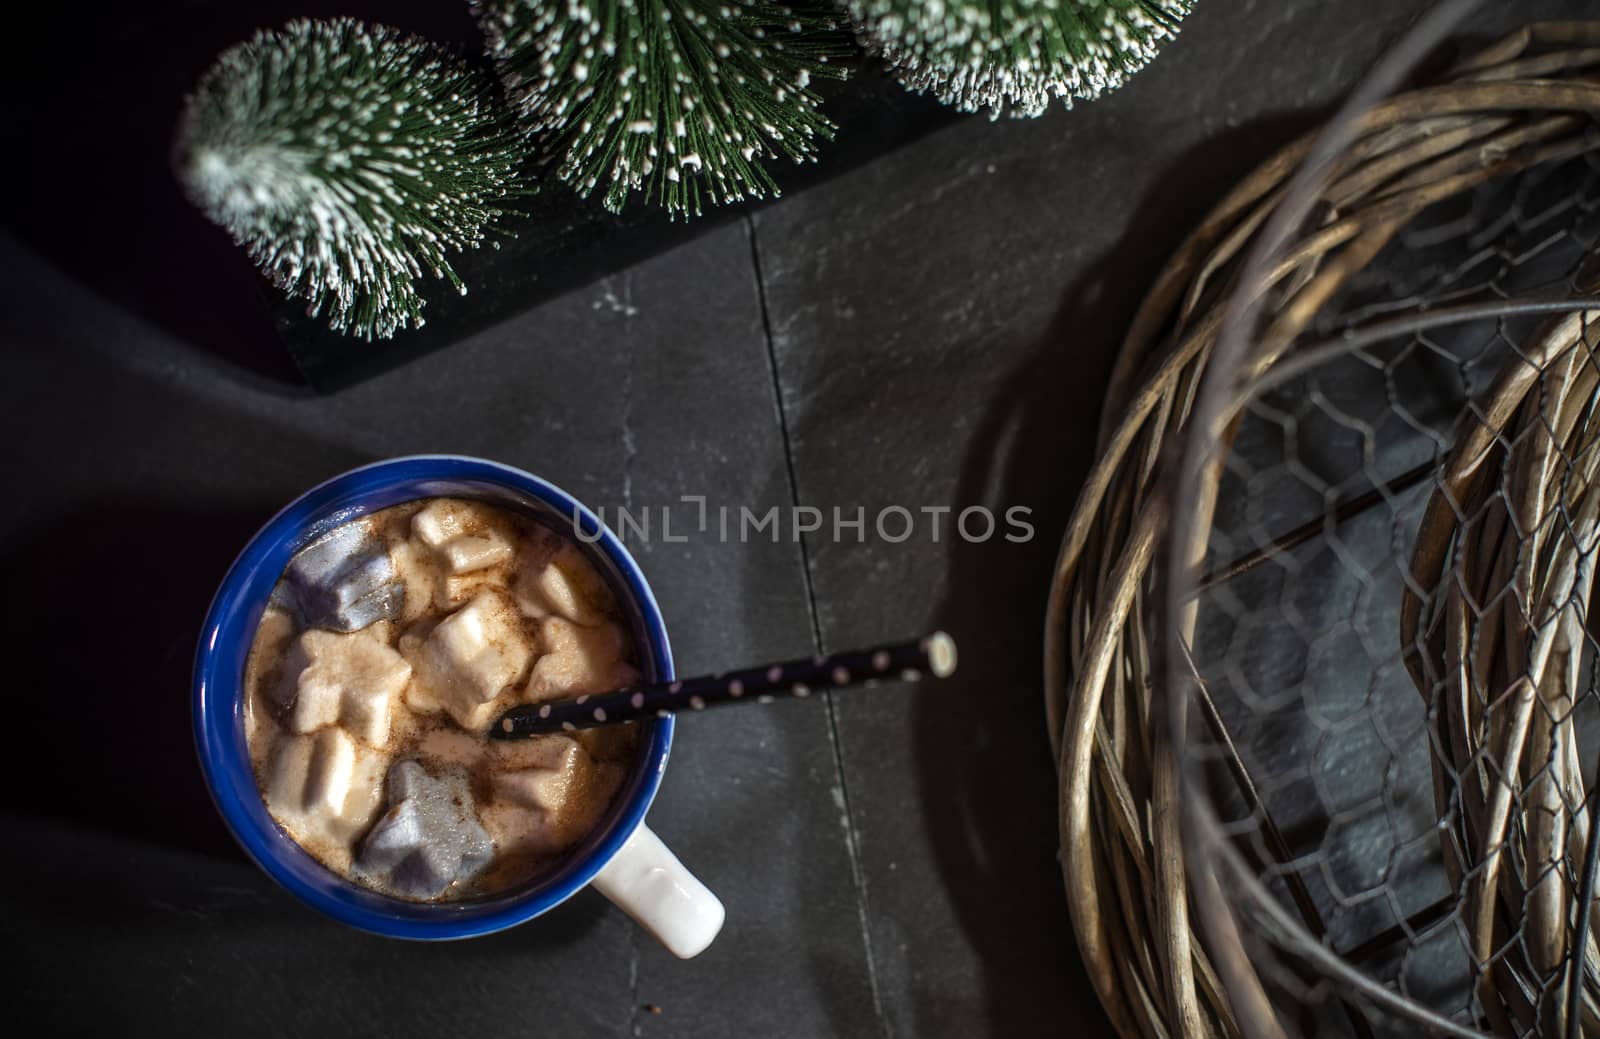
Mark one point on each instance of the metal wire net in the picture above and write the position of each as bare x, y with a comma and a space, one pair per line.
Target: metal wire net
1379, 572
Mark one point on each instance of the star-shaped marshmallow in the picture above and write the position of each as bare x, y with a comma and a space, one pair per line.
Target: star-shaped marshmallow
579, 659
323, 785
349, 681
547, 793
345, 580
429, 838
567, 584
468, 660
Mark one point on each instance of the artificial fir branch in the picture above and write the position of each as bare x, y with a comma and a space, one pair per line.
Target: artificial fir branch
1014, 56
677, 99
348, 160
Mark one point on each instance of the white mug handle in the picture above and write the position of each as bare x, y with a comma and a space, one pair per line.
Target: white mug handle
647, 882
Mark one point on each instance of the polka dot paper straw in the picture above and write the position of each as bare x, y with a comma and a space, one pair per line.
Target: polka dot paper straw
902, 662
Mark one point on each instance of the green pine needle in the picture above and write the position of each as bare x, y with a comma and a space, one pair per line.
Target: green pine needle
1014, 56
677, 99
348, 160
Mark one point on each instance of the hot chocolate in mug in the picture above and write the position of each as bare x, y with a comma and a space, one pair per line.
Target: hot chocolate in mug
621, 857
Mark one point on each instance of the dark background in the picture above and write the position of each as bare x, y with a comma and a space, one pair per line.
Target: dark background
932, 326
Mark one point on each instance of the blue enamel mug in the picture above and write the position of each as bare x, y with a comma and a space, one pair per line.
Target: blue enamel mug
621, 857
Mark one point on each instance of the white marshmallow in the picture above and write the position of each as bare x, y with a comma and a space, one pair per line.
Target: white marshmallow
603, 642
546, 810
418, 569
469, 659
323, 785
329, 770
533, 788
441, 520
455, 589
539, 786
366, 712
348, 680
461, 545
578, 660
540, 772
475, 552
568, 585
466, 536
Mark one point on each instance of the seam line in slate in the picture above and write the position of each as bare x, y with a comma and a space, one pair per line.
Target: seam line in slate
852, 846
630, 448
783, 429
633, 1027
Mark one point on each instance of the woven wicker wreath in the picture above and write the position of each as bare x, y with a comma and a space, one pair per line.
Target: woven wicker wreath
1527, 100
1506, 552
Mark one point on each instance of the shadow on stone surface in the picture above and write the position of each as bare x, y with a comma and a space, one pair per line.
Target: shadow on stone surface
119, 688
989, 786
100, 200
119, 595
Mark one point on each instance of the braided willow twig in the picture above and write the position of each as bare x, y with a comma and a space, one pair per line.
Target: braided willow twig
1525, 101
1506, 553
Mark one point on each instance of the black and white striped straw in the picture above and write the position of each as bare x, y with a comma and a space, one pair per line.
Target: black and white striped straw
903, 661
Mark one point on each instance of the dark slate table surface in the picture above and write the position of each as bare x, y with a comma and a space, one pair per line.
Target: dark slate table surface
932, 328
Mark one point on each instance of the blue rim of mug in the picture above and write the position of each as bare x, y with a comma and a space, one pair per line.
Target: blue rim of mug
224, 645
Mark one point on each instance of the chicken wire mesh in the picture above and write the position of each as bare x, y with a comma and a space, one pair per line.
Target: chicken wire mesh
1340, 537
1386, 690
